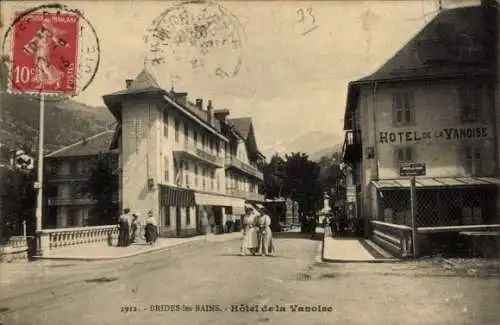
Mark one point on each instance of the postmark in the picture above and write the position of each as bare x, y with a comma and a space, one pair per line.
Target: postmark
199, 35
50, 49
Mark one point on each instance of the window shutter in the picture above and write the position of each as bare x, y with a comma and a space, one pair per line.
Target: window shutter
394, 108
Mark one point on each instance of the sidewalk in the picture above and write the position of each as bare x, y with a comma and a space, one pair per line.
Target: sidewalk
359, 250
101, 251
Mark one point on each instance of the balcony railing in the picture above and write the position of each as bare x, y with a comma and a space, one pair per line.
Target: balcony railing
75, 201
195, 152
246, 168
250, 196
352, 148
68, 177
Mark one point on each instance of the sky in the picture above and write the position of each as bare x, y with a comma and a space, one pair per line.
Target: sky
290, 82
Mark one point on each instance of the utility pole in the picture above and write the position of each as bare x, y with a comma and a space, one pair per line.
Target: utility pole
414, 226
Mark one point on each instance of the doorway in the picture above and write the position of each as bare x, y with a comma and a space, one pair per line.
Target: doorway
178, 221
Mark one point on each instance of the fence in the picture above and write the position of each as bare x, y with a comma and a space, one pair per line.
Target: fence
439, 207
397, 239
16, 249
441, 216
52, 239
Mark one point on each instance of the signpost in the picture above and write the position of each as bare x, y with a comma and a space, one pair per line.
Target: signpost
411, 170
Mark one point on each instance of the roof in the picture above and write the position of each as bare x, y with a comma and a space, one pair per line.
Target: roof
143, 83
93, 145
452, 43
242, 125
146, 84
436, 182
456, 43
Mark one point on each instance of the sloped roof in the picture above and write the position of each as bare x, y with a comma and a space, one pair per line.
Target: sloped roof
242, 125
94, 145
143, 83
438, 49
458, 42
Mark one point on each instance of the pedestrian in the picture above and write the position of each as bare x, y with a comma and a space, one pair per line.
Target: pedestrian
313, 226
151, 229
250, 241
134, 226
124, 228
266, 246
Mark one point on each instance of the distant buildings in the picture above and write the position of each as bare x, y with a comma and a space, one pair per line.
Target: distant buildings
431, 104
189, 164
66, 204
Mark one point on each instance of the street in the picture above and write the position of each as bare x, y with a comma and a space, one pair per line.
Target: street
208, 283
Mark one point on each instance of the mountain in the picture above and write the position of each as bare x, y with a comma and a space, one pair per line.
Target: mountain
326, 152
313, 143
66, 121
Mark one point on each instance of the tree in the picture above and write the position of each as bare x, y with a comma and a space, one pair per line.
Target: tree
301, 182
273, 177
17, 200
102, 186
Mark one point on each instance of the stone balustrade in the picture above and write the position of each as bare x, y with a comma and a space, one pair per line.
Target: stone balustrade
16, 249
52, 239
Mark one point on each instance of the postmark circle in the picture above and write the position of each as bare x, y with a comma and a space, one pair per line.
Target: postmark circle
201, 34
50, 49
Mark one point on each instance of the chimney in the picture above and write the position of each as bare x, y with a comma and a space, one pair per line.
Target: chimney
221, 115
180, 97
199, 103
128, 82
210, 112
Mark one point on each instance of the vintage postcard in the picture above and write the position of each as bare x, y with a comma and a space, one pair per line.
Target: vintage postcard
250, 162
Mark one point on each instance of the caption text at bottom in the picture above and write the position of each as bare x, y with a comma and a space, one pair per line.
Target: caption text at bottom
236, 308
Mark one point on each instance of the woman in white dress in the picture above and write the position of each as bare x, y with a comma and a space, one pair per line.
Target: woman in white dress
266, 246
250, 241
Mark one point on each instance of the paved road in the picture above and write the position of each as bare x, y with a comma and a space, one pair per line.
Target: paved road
212, 274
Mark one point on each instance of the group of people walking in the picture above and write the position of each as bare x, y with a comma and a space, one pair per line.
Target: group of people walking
257, 234
129, 226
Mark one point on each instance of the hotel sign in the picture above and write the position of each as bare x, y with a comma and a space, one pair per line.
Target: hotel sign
443, 134
412, 169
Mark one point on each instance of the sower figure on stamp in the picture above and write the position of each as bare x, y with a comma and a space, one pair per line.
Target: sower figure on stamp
40, 44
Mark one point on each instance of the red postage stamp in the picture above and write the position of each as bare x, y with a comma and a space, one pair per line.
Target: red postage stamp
44, 53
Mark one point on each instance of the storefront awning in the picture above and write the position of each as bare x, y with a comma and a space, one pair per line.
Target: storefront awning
218, 200
436, 182
174, 196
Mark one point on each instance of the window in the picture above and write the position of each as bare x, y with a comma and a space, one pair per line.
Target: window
470, 104
218, 184
177, 125
186, 168
404, 155
217, 147
403, 108
211, 146
203, 141
203, 177
472, 216
72, 217
473, 161
165, 124
186, 133
195, 137
166, 216
212, 179
166, 168
188, 216
196, 176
